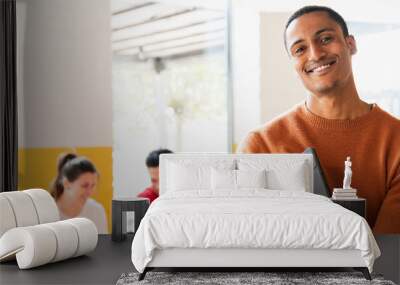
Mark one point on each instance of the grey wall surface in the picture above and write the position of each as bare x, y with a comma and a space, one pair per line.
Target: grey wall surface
64, 62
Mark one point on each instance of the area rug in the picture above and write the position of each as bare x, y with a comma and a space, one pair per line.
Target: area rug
243, 278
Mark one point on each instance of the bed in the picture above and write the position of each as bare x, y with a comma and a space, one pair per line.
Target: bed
247, 210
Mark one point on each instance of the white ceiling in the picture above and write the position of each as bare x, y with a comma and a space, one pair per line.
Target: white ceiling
160, 29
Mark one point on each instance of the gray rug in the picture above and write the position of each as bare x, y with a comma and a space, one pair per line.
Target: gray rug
231, 278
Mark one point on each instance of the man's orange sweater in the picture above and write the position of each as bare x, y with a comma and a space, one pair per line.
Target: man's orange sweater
372, 141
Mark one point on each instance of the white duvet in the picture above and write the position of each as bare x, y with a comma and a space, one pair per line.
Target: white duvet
250, 219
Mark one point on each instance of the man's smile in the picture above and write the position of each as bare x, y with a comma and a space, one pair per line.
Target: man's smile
321, 67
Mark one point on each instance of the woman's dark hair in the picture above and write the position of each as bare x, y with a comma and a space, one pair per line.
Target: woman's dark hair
70, 166
153, 159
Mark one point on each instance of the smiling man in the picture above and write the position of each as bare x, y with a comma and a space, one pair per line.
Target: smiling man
334, 120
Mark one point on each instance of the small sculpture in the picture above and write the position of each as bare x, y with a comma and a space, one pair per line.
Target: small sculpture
347, 174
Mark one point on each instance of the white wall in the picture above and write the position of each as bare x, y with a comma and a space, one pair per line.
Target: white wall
245, 69
280, 86
264, 80
65, 57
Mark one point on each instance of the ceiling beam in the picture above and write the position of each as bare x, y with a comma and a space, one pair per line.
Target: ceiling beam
194, 52
171, 40
190, 44
131, 8
202, 46
152, 33
155, 19
175, 50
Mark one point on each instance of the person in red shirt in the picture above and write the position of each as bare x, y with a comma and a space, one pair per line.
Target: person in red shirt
152, 163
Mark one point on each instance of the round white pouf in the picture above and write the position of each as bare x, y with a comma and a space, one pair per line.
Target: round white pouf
67, 240
45, 205
87, 234
23, 208
33, 246
6, 215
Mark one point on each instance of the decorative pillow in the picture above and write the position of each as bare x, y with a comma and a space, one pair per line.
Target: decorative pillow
236, 179
193, 174
282, 174
287, 178
188, 178
251, 178
223, 179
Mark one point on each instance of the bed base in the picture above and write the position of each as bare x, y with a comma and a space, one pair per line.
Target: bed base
363, 270
239, 259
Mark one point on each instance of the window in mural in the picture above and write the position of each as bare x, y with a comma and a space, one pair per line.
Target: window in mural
375, 68
169, 82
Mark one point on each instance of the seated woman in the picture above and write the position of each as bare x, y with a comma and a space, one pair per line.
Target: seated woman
75, 183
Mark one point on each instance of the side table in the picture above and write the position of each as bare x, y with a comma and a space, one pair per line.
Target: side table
358, 205
119, 208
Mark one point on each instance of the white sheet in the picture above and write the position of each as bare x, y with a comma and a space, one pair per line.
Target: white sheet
250, 219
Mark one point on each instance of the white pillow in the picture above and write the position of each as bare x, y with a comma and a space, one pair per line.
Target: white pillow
236, 179
193, 174
188, 178
251, 178
288, 178
282, 174
223, 179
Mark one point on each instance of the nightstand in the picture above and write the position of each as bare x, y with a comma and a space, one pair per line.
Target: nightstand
120, 208
358, 205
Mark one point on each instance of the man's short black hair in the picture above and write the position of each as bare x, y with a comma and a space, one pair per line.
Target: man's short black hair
153, 158
310, 9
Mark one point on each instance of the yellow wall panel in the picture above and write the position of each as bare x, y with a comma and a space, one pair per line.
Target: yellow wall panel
37, 168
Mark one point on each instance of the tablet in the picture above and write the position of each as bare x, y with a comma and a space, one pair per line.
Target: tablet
320, 185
